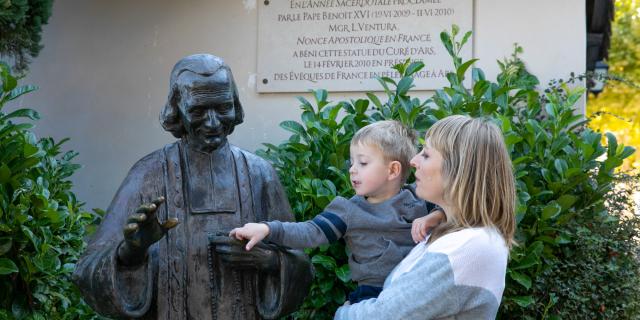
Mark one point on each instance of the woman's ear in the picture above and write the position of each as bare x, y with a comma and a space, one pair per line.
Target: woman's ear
395, 170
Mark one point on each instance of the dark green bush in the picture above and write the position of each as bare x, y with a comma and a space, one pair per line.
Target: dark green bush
564, 175
21, 23
42, 224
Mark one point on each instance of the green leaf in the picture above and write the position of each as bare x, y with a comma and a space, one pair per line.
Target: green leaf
23, 113
561, 166
522, 279
480, 89
465, 38
551, 211
626, 152
567, 200
446, 41
321, 95
414, 67
454, 30
5, 245
523, 301
404, 85
463, 69
612, 144
293, 126
7, 266
512, 138
374, 99
551, 110
5, 173
343, 273
477, 74
326, 261
22, 90
8, 82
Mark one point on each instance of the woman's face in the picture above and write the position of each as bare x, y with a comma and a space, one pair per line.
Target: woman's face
429, 181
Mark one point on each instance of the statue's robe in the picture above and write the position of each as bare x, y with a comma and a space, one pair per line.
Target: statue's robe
181, 278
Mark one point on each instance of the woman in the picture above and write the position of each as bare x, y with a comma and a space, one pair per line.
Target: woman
459, 271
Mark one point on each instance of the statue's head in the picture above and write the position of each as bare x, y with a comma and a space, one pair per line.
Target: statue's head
203, 104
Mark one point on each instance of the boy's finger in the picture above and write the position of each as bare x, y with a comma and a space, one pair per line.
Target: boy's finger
252, 242
232, 233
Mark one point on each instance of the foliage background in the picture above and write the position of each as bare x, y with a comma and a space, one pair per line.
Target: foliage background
42, 224
21, 23
577, 249
617, 108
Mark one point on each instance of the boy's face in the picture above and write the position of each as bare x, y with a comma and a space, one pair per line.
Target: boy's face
370, 173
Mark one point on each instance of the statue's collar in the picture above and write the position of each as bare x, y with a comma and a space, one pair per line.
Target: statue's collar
211, 180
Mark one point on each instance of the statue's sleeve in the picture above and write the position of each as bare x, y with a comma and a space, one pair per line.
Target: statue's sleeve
284, 290
110, 288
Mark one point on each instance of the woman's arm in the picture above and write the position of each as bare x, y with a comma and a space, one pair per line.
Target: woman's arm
461, 274
426, 292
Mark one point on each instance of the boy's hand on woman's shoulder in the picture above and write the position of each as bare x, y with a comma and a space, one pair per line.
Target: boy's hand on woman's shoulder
254, 232
421, 227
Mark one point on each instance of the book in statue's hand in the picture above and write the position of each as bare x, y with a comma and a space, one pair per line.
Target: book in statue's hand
231, 252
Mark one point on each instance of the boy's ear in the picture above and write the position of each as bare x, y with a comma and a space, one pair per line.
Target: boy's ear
395, 169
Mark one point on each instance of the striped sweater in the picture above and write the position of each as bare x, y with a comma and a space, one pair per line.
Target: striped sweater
378, 236
459, 276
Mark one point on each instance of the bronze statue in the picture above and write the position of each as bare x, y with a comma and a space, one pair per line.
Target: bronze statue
201, 187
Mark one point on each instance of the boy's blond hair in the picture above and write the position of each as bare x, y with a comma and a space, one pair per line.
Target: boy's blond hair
478, 178
395, 141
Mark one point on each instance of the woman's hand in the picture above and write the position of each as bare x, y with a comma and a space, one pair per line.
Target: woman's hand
254, 232
422, 226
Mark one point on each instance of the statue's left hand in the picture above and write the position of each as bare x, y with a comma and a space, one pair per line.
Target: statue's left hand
232, 252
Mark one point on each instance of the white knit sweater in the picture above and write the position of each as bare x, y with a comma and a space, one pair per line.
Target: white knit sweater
461, 276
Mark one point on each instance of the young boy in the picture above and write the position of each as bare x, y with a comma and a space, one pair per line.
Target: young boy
376, 222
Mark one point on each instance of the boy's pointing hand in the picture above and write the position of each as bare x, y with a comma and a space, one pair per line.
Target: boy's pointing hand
254, 232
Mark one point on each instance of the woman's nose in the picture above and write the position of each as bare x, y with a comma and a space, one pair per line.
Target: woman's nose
414, 161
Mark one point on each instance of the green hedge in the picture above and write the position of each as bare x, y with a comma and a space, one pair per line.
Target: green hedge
21, 23
42, 224
576, 255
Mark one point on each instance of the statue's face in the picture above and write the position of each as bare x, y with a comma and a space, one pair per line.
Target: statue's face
207, 109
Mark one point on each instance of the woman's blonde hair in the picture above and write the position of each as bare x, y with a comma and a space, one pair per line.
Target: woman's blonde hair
477, 172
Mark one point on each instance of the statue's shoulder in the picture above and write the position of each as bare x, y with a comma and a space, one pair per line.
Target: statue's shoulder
252, 159
156, 159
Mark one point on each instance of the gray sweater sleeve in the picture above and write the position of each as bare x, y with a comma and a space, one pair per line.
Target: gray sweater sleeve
296, 235
327, 227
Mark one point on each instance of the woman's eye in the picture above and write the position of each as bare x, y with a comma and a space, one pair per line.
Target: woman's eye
363, 163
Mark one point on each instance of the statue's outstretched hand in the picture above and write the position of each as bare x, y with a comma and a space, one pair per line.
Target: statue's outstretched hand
141, 231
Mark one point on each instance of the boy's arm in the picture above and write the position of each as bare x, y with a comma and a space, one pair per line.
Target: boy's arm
296, 235
327, 227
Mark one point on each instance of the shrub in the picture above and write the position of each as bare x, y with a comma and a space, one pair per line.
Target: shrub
562, 181
41, 222
21, 23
